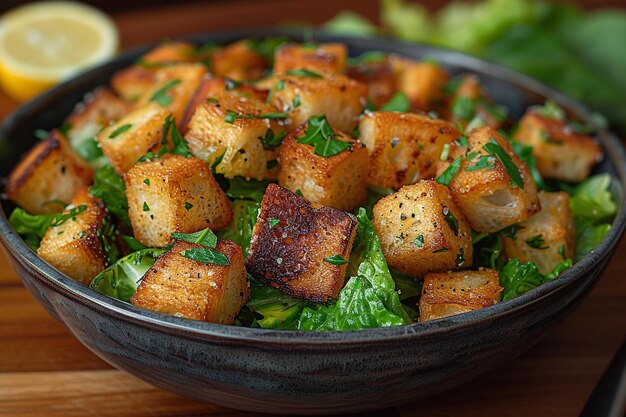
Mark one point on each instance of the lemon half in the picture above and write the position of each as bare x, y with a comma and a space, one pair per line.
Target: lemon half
44, 43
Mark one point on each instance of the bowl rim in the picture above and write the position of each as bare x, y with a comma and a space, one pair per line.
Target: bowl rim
46, 274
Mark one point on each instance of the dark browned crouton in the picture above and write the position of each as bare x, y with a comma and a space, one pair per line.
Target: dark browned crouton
292, 242
183, 287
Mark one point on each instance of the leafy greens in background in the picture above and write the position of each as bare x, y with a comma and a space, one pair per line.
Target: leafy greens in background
581, 54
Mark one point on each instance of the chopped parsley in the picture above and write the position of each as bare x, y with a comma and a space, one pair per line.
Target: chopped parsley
321, 136
549, 139
463, 108
58, 220
273, 222
272, 164
537, 242
204, 237
493, 148
511, 231
296, 101
231, 116
303, 73
487, 162
561, 251
162, 96
206, 255
272, 140
451, 220
335, 260
419, 241
462, 141
444, 249
119, 131
398, 102
460, 257
146, 181
145, 206
188, 206
550, 109
449, 173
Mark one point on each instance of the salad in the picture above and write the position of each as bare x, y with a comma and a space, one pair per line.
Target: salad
280, 185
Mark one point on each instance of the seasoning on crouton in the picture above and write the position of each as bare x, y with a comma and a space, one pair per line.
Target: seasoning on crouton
183, 287
324, 58
336, 180
403, 147
490, 183
73, 244
547, 237
174, 194
295, 246
124, 142
238, 61
421, 230
449, 293
561, 153
48, 176
422, 82
173, 87
468, 101
378, 77
241, 131
305, 94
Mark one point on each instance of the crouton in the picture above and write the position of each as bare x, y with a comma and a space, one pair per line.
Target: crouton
174, 194
403, 147
183, 287
124, 142
48, 176
238, 61
73, 245
468, 100
174, 87
449, 293
547, 237
292, 242
325, 58
492, 194
232, 127
421, 82
211, 86
340, 98
561, 153
132, 83
170, 52
378, 77
422, 230
337, 181
96, 111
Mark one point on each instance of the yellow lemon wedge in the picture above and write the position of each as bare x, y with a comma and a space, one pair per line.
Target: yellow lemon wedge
44, 43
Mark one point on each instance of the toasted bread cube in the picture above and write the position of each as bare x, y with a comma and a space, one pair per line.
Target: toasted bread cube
182, 287
379, 79
290, 242
445, 294
238, 61
421, 82
325, 58
229, 126
174, 194
74, 246
132, 83
422, 230
470, 94
337, 181
561, 153
403, 147
483, 188
340, 98
547, 237
48, 176
174, 86
212, 86
170, 52
124, 142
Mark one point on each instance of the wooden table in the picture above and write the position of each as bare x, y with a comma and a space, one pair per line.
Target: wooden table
45, 371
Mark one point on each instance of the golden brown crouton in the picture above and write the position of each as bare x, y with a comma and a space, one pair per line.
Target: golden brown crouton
124, 142
561, 153
325, 58
73, 246
546, 238
292, 242
486, 189
337, 181
212, 86
340, 98
421, 82
238, 61
170, 52
448, 293
89, 117
379, 79
174, 194
48, 176
403, 147
232, 126
173, 87
195, 290
132, 83
421, 230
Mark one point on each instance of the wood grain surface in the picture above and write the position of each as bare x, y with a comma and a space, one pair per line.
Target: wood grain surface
45, 371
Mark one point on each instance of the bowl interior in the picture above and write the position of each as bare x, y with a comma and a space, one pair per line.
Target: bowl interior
506, 87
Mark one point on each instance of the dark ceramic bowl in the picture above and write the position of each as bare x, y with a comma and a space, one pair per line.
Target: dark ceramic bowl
305, 372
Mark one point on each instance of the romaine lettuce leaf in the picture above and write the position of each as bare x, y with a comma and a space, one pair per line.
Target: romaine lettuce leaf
31, 227
109, 187
517, 278
239, 230
273, 309
592, 199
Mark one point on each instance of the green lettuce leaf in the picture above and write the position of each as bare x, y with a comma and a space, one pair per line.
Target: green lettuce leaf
239, 230
121, 279
592, 199
273, 309
241, 188
31, 227
350, 23
109, 187
588, 236
517, 278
